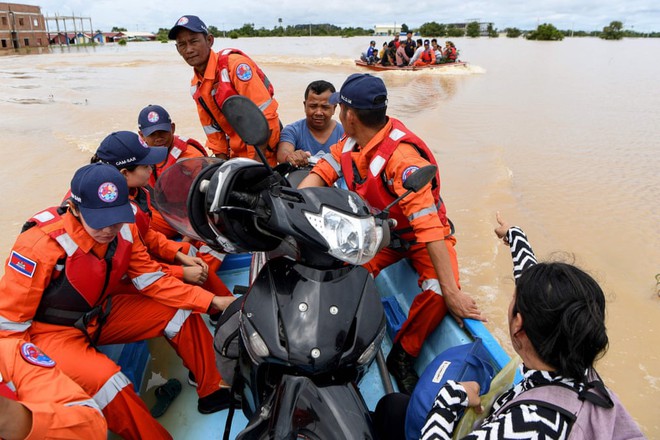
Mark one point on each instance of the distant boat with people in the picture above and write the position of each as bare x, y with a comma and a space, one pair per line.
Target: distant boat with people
380, 67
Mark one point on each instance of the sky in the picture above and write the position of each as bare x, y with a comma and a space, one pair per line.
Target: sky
138, 15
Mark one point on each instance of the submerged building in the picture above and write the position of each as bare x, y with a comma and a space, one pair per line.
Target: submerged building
22, 27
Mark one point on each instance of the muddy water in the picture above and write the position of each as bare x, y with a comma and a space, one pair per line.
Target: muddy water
563, 138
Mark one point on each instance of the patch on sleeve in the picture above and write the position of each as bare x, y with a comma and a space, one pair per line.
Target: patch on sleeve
22, 264
407, 172
32, 354
244, 72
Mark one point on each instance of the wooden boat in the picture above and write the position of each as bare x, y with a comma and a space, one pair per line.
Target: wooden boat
380, 67
398, 287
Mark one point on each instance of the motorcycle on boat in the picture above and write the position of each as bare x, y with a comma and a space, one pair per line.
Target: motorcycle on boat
311, 321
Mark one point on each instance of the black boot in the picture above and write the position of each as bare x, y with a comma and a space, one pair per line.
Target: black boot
402, 366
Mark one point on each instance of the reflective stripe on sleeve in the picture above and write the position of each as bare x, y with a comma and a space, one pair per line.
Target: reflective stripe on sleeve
13, 326
432, 284
88, 402
422, 212
146, 279
174, 326
333, 163
207, 250
110, 389
265, 105
210, 129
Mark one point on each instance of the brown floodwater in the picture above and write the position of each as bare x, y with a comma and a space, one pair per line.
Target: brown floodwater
562, 137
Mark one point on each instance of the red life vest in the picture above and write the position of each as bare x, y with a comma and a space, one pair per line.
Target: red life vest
426, 56
80, 281
179, 146
225, 87
451, 54
6, 391
375, 188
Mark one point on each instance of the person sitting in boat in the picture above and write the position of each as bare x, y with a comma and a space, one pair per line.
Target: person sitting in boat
418, 52
38, 401
63, 291
371, 54
389, 57
450, 53
126, 151
427, 57
437, 50
557, 326
156, 128
381, 53
375, 157
316, 132
402, 58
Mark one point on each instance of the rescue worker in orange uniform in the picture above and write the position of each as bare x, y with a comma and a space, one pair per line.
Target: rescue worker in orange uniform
38, 401
217, 76
62, 290
127, 152
375, 157
156, 128
427, 56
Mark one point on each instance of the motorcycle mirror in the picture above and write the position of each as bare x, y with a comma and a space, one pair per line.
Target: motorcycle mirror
246, 119
420, 178
413, 183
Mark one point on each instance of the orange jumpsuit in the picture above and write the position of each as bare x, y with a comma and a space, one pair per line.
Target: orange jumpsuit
164, 250
428, 307
223, 139
175, 152
163, 306
59, 407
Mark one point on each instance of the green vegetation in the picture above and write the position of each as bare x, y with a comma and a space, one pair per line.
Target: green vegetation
473, 30
433, 28
404, 28
453, 31
612, 32
122, 42
492, 32
513, 32
546, 32
118, 29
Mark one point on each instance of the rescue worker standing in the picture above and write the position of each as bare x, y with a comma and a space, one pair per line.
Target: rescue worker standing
62, 291
38, 401
379, 150
218, 76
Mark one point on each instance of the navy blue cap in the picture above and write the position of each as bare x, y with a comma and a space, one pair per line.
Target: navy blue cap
124, 148
101, 193
361, 91
154, 118
191, 22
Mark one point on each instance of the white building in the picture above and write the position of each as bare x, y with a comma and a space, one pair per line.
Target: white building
387, 29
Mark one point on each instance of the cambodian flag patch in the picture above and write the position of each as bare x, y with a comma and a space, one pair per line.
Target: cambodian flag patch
35, 356
22, 264
244, 72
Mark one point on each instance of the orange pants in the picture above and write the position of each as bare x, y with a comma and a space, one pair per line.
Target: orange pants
428, 308
133, 318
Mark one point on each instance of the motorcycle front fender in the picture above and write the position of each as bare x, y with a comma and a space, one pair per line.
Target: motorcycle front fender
299, 409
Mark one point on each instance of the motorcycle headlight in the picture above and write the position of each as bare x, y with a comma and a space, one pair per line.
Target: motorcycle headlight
354, 240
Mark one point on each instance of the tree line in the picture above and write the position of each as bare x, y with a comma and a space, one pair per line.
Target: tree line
545, 31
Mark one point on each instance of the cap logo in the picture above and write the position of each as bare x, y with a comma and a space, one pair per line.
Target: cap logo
345, 99
153, 117
244, 72
142, 142
108, 192
182, 21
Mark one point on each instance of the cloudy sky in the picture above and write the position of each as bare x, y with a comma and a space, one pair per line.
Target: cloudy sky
139, 15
